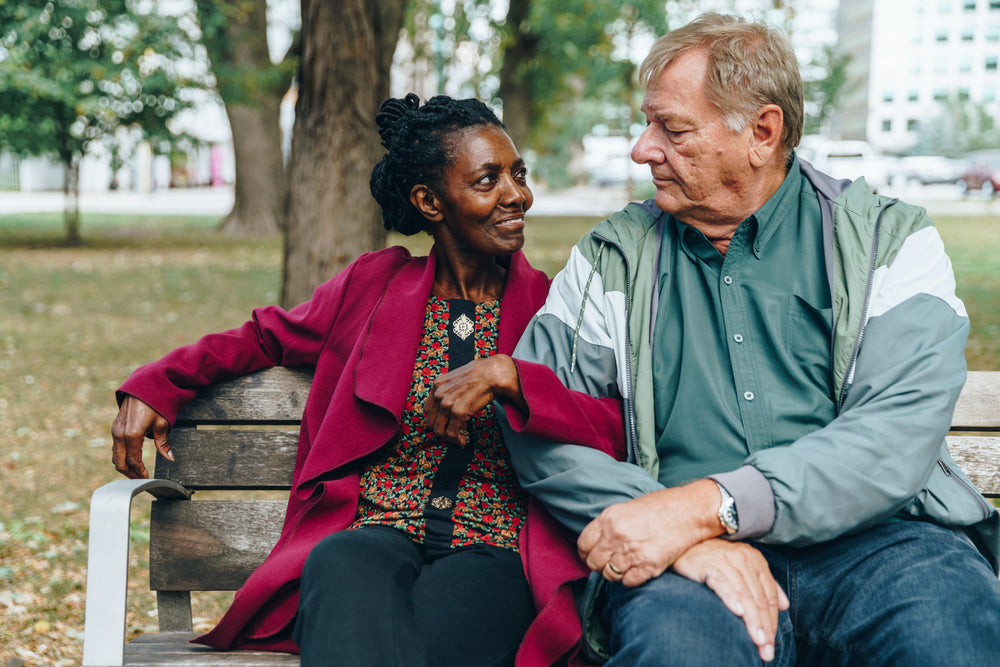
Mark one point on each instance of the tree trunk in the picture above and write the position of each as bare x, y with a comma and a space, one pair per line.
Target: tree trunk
71, 194
259, 191
346, 51
251, 87
520, 47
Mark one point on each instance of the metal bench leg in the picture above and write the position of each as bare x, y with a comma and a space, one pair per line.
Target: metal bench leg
107, 566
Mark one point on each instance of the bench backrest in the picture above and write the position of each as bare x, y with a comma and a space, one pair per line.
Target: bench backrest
975, 431
241, 435
237, 435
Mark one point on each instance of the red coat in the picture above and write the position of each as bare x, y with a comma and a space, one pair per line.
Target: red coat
361, 331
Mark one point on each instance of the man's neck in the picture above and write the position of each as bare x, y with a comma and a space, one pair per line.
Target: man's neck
719, 230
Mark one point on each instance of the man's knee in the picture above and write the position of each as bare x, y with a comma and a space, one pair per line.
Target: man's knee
672, 620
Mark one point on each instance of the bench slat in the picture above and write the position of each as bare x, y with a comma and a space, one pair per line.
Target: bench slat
210, 545
979, 458
231, 459
978, 406
174, 648
274, 395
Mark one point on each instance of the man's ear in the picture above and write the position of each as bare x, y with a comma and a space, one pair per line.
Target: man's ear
426, 202
765, 141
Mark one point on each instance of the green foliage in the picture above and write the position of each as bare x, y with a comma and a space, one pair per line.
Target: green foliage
825, 81
961, 126
576, 63
74, 71
232, 26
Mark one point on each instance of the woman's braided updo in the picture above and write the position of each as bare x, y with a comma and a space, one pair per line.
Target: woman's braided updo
420, 151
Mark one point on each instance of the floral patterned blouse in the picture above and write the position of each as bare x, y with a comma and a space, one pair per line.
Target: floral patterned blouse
444, 495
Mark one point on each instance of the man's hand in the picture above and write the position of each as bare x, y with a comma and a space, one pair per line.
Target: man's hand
634, 541
740, 576
459, 394
135, 422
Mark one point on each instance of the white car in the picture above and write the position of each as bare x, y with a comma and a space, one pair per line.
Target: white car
846, 159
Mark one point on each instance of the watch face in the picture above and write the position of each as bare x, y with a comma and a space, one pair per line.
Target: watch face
727, 516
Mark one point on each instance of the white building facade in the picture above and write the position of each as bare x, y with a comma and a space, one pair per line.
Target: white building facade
910, 58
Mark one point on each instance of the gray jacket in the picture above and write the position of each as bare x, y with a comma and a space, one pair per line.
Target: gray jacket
897, 351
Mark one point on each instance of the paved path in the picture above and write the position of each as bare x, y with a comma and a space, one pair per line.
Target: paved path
581, 200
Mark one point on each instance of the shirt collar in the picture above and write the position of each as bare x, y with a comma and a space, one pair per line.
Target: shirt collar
782, 205
758, 228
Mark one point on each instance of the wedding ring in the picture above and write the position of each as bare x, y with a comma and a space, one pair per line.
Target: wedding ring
611, 566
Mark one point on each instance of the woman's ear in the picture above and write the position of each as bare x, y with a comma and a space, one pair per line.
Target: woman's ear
426, 202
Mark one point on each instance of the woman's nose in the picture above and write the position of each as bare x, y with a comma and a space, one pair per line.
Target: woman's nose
514, 192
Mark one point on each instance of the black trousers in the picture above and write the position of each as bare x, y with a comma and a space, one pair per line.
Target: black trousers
371, 597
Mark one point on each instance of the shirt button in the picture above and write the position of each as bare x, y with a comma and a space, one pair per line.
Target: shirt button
738, 338
748, 395
728, 280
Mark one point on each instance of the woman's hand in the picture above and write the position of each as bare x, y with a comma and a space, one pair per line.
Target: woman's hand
458, 395
136, 421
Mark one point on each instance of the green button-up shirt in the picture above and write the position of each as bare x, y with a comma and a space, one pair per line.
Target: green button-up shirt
741, 357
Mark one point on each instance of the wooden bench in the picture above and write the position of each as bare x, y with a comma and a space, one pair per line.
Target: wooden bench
199, 545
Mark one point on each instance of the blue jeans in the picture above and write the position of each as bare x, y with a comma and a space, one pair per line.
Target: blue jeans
903, 593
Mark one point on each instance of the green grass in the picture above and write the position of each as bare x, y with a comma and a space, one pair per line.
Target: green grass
75, 321
973, 244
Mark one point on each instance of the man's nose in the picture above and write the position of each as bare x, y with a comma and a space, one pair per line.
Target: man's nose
645, 151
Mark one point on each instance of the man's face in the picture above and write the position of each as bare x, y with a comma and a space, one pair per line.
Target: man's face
700, 167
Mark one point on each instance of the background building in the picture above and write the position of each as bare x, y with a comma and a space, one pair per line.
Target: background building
913, 61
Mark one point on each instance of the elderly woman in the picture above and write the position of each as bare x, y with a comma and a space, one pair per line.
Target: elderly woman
407, 539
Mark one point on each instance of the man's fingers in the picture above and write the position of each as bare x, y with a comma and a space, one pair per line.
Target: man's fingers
731, 587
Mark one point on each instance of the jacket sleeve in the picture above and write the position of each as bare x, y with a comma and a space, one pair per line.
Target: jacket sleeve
272, 337
573, 481
559, 414
883, 446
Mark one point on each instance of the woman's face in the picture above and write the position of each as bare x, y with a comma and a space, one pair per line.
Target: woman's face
484, 194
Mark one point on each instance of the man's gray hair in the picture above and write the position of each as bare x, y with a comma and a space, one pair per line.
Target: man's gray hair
750, 64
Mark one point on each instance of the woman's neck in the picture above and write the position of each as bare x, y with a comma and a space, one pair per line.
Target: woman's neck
478, 283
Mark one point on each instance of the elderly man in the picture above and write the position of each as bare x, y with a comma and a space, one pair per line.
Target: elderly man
789, 350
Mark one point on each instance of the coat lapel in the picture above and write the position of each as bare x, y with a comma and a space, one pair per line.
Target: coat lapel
389, 347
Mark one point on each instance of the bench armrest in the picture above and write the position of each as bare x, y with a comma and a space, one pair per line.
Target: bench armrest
107, 565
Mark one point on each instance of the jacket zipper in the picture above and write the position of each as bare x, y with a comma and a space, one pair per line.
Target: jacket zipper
632, 428
872, 261
973, 493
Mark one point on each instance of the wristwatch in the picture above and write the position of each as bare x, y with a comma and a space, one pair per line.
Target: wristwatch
727, 512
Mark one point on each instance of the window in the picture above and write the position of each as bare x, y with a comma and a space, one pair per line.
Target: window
887, 96
968, 33
940, 95
991, 63
913, 96
942, 35
969, 5
993, 33
887, 125
989, 93
912, 125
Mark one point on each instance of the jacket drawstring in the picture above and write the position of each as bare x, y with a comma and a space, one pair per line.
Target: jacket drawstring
583, 306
